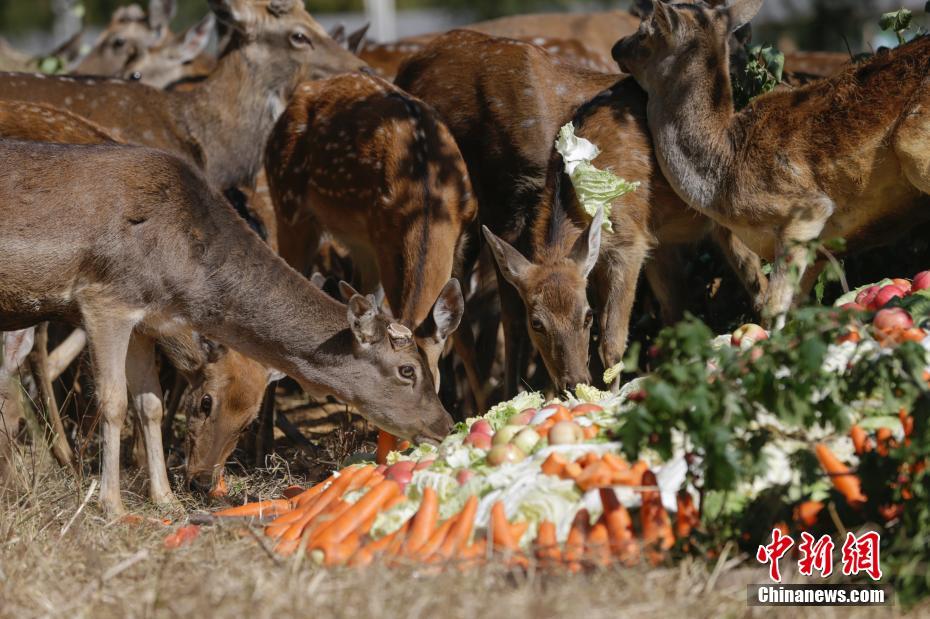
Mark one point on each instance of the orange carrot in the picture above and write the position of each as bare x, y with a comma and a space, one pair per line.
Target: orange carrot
473, 555
654, 520
396, 545
387, 443
807, 512
314, 491
639, 468
615, 462
501, 533
518, 530
574, 545
286, 547
554, 464
597, 548
884, 439
268, 507
619, 526
461, 530
571, 471
220, 489
585, 409
588, 459
354, 516
320, 522
591, 431
907, 422
859, 439
424, 522
596, 475
687, 517
339, 552
846, 482
335, 490
547, 546
435, 540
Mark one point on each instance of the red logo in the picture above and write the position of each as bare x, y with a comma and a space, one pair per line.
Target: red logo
861, 554
815, 555
771, 553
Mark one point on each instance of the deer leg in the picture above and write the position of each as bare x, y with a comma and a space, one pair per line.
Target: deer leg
745, 263
41, 369
664, 274
142, 379
808, 280
615, 277
109, 338
792, 259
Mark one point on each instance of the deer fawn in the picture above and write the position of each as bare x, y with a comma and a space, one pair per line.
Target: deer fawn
129, 34
180, 58
837, 158
221, 124
359, 157
155, 249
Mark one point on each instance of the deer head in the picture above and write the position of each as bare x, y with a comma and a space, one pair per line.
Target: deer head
554, 293
290, 41
220, 409
672, 33
170, 62
129, 35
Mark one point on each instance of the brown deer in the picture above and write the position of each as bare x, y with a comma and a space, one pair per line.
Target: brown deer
182, 57
844, 157
220, 125
374, 166
504, 101
226, 387
130, 33
155, 249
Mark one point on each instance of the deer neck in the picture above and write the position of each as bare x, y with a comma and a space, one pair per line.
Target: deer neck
231, 115
690, 115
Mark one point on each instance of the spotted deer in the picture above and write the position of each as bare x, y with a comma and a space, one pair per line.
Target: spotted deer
155, 250
504, 101
222, 123
130, 34
844, 157
358, 157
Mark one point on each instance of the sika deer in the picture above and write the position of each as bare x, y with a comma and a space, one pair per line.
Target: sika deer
180, 58
221, 125
837, 158
359, 157
155, 249
129, 35
507, 149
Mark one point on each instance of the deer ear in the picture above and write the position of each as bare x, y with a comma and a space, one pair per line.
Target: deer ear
16, 347
213, 351
642, 8
512, 264
347, 291
363, 320
197, 38
338, 33
357, 38
661, 16
588, 244
740, 12
448, 310
161, 12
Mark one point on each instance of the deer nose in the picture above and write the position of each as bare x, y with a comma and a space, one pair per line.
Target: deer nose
201, 482
437, 430
568, 381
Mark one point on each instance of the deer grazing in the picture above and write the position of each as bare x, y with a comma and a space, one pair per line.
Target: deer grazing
843, 157
543, 262
154, 250
358, 157
222, 123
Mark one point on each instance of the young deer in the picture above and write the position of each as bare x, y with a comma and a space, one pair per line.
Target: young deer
221, 124
844, 157
155, 249
130, 33
360, 158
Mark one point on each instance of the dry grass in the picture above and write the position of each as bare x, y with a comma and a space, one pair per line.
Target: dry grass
59, 557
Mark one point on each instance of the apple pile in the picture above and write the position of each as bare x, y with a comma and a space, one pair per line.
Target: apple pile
892, 324
527, 429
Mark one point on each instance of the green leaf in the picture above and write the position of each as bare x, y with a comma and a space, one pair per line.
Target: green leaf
895, 21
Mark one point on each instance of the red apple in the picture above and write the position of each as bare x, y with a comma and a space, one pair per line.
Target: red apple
853, 307
463, 476
565, 433
425, 463
866, 296
903, 284
401, 472
479, 440
750, 333
500, 454
522, 418
921, 281
482, 426
586, 409
886, 294
892, 318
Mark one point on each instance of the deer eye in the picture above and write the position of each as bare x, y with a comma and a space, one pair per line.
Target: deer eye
206, 404
588, 317
299, 39
407, 371
537, 325
118, 42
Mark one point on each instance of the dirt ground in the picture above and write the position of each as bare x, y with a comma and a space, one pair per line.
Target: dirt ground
60, 557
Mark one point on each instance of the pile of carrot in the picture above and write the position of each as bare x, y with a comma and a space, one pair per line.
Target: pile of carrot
320, 522
593, 471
